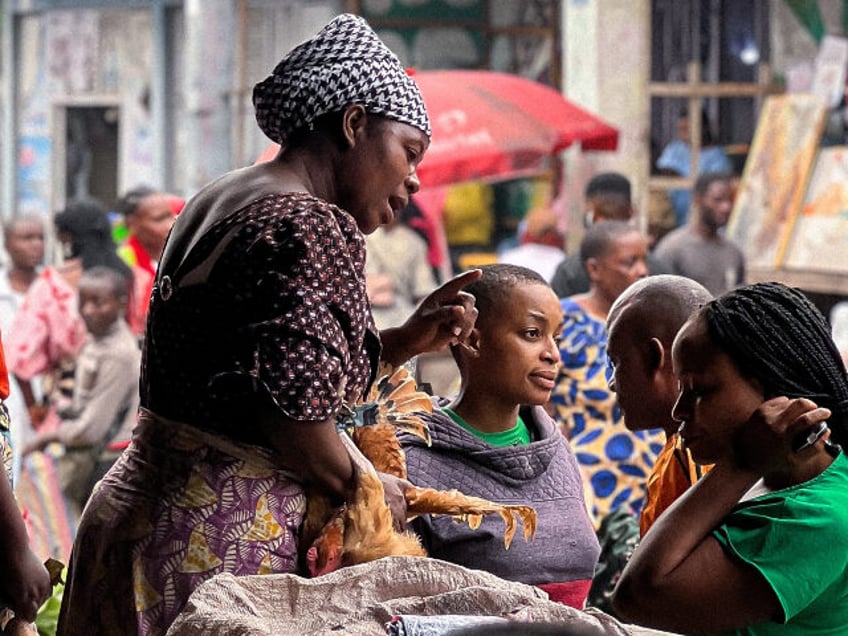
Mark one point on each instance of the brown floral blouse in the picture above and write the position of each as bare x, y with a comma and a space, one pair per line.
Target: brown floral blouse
271, 300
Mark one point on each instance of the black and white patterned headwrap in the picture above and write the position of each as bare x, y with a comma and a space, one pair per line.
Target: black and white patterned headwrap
346, 63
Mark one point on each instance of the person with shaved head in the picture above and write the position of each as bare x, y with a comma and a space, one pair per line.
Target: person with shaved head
763, 395
641, 326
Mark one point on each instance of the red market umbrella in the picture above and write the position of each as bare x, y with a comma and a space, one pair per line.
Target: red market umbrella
490, 125
493, 125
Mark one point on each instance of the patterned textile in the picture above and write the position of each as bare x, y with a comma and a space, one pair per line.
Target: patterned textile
281, 306
5, 441
5, 428
46, 335
49, 522
619, 538
179, 507
345, 63
615, 461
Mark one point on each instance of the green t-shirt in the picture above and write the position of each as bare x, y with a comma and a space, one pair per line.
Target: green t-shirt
518, 435
797, 538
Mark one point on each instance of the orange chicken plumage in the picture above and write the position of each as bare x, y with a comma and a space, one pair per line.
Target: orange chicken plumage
363, 529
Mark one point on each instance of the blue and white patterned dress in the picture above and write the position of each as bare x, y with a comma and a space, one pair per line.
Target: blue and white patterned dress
615, 462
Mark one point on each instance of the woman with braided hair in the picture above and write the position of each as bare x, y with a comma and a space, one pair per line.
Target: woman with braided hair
763, 395
259, 334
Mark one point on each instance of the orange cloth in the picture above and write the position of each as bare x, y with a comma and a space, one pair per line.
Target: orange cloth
673, 473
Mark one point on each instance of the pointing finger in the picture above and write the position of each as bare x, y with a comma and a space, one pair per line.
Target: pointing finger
455, 285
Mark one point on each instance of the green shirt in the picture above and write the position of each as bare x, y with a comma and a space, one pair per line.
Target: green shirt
518, 435
797, 538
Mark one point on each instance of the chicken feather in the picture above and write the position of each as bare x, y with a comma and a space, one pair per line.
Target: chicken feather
363, 530
470, 509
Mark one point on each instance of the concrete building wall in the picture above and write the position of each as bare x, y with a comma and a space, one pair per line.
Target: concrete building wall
79, 59
107, 57
791, 45
606, 48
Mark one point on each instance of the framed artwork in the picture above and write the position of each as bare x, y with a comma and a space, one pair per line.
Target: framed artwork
775, 178
819, 240
831, 62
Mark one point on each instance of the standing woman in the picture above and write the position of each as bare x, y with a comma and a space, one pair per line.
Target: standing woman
757, 546
259, 333
615, 462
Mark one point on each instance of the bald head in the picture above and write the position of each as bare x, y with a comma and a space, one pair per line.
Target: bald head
641, 326
23, 238
659, 305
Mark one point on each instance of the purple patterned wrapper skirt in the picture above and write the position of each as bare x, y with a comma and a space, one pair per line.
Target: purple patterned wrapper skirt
179, 507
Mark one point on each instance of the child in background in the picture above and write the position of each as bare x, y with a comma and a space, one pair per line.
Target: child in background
495, 440
98, 424
24, 581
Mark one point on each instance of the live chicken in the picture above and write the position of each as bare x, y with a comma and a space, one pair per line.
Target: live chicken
363, 529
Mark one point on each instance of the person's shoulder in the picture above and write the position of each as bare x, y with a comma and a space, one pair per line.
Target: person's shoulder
714, 159
49, 285
539, 420
409, 235
5, 284
673, 240
570, 306
435, 420
299, 202
657, 265
732, 245
298, 215
119, 343
675, 156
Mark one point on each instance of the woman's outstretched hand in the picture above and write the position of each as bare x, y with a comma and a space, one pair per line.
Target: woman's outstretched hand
445, 317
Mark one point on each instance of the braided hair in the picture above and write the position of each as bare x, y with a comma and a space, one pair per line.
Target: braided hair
775, 334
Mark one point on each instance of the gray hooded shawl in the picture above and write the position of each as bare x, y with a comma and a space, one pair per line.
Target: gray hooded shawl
543, 474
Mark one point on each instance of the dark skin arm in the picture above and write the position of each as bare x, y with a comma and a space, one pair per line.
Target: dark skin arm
37, 412
680, 578
23, 578
314, 450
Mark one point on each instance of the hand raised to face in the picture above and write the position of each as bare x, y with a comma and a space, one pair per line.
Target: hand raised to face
768, 440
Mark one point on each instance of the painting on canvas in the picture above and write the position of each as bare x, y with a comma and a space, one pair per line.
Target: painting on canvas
775, 177
819, 240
